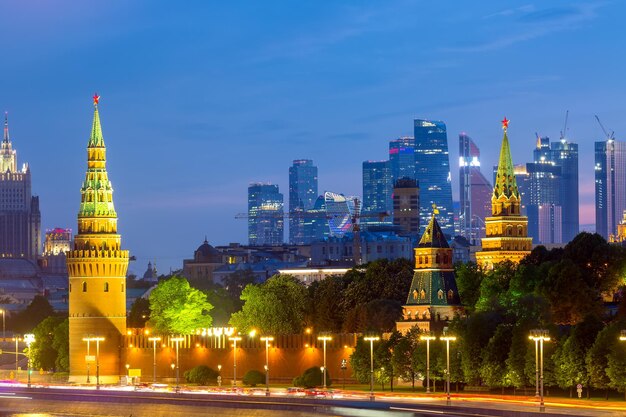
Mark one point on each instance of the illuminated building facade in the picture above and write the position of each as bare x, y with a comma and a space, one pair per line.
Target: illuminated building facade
315, 224
340, 212
57, 243
402, 158
432, 170
620, 236
406, 202
610, 178
97, 268
475, 191
302, 197
20, 219
565, 155
377, 187
265, 215
506, 229
433, 296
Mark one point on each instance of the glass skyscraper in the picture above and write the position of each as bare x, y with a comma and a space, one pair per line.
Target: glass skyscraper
265, 215
432, 170
302, 196
475, 191
565, 155
402, 158
610, 177
377, 188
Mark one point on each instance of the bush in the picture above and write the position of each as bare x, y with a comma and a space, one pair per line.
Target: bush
201, 375
312, 377
253, 378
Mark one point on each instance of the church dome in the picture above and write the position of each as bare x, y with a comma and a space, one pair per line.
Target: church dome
207, 253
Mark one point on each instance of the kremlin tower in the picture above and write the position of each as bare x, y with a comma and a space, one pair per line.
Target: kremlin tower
97, 273
506, 229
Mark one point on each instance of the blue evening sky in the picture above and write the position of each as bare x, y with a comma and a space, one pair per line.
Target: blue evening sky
201, 98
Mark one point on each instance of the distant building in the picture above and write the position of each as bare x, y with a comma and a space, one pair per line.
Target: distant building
20, 282
265, 215
151, 275
432, 170
57, 243
206, 259
475, 191
620, 236
302, 197
20, 219
610, 176
402, 158
340, 211
433, 298
315, 223
377, 187
406, 213
565, 155
506, 229
309, 275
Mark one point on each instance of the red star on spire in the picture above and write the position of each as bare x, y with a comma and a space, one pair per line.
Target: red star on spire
505, 123
96, 98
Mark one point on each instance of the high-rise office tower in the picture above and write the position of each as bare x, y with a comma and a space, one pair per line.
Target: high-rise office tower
432, 170
507, 230
377, 188
265, 215
475, 191
315, 222
97, 268
302, 196
20, 219
610, 173
565, 155
406, 213
402, 158
544, 208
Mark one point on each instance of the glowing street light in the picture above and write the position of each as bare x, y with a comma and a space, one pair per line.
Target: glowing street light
539, 336
371, 339
234, 339
177, 340
28, 339
97, 339
324, 339
154, 341
622, 337
427, 338
267, 340
16, 339
448, 339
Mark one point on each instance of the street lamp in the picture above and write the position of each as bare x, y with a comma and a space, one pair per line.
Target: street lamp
97, 339
371, 339
267, 340
448, 339
427, 338
324, 339
622, 336
28, 339
234, 339
4, 328
177, 340
539, 336
16, 339
154, 341
219, 375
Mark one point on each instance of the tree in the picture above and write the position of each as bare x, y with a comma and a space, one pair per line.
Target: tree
275, 307
223, 305
61, 343
495, 285
493, 370
469, 276
312, 377
378, 316
404, 358
26, 320
325, 310
50, 350
201, 375
139, 313
236, 282
616, 369
253, 378
596, 359
176, 308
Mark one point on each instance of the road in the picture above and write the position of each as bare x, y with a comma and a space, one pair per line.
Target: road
74, 402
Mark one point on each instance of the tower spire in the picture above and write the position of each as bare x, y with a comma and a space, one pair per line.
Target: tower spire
6, 139
505, 184
96, 139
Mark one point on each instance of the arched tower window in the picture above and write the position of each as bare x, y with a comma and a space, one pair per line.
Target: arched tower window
106, 287
122, 287
84, 286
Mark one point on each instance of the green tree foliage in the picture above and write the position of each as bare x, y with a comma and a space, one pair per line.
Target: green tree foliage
404, 358
201, 375
596, 359
475, 333
312, 377
275, 307
177, 308
495, 285
139, 313
616, 370
50, 350
61, 343
235, 283
253, 378
223, 305
493, 370
375, 316
326, 310
26, 320
360, 360
469, 276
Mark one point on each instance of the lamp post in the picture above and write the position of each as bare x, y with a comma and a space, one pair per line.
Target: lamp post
96, 339
4, 328
87, 357
324, 339
234, 339
427, 338
219, 375
448, 339
177, 340
371, 339
154, 341
540, 336
267, 340
28, 339
16, 339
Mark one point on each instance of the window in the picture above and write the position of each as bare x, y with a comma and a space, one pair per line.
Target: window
84, 286
106, 287
122, 287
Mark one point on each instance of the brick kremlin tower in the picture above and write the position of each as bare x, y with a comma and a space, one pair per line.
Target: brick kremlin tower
97, 272
506, 229
433, 297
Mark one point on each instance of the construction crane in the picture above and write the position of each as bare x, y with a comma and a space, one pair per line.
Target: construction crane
609, 136
564, 131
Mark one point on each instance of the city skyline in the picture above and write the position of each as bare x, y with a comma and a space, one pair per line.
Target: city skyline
178, 122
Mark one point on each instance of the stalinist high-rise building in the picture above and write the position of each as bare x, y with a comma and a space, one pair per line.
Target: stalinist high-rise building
20, 219
97, 272
506, 229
